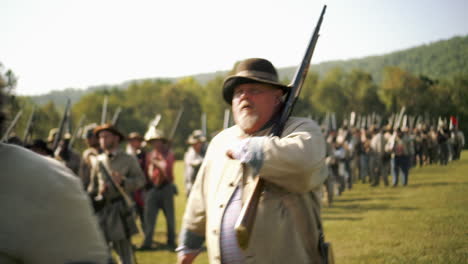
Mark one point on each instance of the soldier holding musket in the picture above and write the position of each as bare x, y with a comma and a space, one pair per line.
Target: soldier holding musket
291, 165
114, 176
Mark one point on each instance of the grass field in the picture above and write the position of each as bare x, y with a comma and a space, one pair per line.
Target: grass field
425, 222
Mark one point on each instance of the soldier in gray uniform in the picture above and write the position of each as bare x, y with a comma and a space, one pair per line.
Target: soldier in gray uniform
114, 176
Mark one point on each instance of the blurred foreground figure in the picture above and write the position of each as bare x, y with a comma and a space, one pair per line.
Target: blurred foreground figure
46, 216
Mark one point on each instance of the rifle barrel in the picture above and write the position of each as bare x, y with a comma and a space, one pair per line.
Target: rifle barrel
12, 125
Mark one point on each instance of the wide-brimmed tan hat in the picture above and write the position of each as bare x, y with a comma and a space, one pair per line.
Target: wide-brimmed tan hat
135, 135
53, 133
254, 70
110, 128
195, 137
153, 134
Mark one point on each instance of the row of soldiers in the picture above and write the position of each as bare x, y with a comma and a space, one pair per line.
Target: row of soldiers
139, 177
370, 155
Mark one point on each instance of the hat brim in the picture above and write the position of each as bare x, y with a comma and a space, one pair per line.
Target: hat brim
110, 129
136, 138
192, 141
231, 82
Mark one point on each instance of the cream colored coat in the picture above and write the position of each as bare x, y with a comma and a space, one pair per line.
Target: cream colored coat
293, 168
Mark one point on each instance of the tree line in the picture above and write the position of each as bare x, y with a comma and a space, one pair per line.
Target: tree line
338, 91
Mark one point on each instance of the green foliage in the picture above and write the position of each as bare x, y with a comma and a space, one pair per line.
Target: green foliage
430, 80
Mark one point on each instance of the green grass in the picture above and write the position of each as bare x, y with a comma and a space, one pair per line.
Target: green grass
425, 222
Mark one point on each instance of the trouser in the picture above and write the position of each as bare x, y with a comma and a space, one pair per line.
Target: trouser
401, 163
338, 180
444, 153
363, 167
329, 183
381, 169
124, 249
155, 199
349, 179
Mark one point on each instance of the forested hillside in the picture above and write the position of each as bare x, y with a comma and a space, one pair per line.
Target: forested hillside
438, 60
341, 89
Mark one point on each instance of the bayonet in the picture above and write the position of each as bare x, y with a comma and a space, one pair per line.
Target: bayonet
61, 127
28, 130
115, 118
176, 123
104, 111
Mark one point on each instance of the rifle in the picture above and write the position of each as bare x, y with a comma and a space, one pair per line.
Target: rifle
12, 125
227, 113
176, 124
333, 121
61, 128
245, 222
77, 131
115, 118
104, 111
27, 131
399, 119
203, 123
352, 119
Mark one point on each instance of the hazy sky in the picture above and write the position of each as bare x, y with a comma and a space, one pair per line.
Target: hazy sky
58, 44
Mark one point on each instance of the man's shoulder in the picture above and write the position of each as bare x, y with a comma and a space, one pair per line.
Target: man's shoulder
24, 164
301, 123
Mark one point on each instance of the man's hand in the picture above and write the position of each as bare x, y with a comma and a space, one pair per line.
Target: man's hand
240, 151
117, 177
159, 162
186, 258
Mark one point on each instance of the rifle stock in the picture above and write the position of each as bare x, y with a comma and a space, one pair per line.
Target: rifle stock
246, 220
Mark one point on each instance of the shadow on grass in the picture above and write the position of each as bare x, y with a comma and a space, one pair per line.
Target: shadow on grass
360, 199
360, 208
327, 218
432, 184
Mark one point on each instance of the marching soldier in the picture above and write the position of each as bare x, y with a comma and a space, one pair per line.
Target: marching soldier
114, 175
380, 159
64, 153
160, 169
92, 151
193, 158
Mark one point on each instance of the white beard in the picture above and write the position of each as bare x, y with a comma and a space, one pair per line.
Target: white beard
246, 121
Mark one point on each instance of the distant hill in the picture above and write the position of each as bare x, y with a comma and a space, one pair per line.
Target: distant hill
437, 60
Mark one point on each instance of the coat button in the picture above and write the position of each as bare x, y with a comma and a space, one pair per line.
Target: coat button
231, 184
